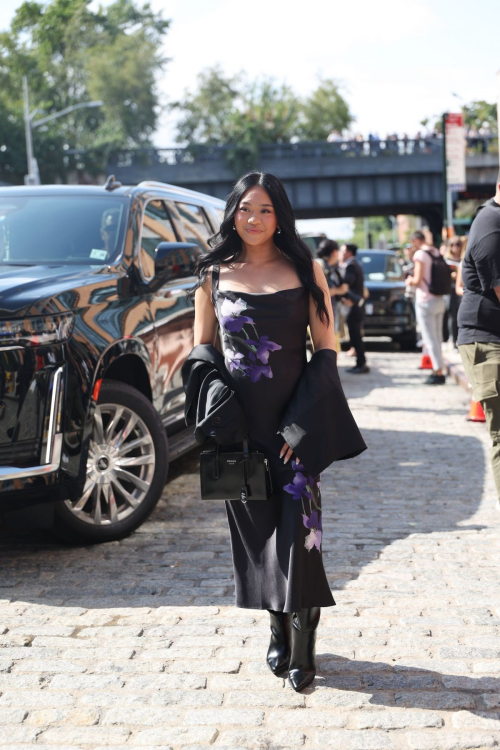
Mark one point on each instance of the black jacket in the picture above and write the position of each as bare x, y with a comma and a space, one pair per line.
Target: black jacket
318, 423
354, 276
211, 404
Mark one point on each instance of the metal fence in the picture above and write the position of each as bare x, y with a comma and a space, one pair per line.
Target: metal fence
388, 148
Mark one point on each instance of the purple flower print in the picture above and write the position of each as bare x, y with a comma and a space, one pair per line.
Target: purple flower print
313, 539
298, 488
235, 360
313, 521
257, 371
231, 318
234, 325
247, 362
296, 466
264, 347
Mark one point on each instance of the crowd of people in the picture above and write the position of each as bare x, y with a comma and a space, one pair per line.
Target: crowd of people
478, 139
436, 308
455, 290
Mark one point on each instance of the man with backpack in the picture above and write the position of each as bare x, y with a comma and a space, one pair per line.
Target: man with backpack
479, 318
432, 279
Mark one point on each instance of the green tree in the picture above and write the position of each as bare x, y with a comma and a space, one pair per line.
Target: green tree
242, 114
479, 114
325, 110
230, 110
72, 54
379, 228
208, 112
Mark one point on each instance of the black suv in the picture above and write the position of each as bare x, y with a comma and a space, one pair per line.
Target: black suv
388, 312
95, 325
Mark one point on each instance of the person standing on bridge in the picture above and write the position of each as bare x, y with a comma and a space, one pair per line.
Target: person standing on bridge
479, 318
258, 291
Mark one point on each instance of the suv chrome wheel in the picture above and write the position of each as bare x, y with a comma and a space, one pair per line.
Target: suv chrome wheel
120, 466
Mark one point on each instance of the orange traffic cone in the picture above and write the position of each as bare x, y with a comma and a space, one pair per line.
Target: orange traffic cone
426, 363
476, 413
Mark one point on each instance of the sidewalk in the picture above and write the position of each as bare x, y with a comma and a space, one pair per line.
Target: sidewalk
136, 644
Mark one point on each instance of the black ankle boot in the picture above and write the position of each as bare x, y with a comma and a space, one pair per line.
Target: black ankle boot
278, 654
302, 667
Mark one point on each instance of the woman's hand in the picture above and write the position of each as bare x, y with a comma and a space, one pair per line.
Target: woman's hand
287, 452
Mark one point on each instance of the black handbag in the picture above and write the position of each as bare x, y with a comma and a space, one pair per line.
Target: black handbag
241, 475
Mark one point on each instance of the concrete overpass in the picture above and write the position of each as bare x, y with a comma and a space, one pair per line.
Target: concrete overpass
343, 178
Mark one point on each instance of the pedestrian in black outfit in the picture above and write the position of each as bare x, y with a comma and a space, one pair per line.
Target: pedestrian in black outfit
479, 318
259, 290
453, 256
354, 277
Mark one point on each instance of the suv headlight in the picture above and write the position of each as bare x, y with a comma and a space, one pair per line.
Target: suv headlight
45, 329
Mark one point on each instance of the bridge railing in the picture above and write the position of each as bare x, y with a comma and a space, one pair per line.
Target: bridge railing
350, 148
386, 148
482, 144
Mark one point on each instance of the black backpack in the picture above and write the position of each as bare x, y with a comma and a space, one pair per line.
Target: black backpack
440, 275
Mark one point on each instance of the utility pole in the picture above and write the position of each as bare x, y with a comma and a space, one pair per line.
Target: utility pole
33, 176
445, 182
368, 237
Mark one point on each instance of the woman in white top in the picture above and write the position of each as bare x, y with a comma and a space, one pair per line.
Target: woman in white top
430, 309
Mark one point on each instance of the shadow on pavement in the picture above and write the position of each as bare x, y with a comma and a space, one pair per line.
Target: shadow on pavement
415, 483
423, 484
403, 686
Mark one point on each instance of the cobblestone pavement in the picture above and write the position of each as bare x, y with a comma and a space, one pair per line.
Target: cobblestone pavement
137, 644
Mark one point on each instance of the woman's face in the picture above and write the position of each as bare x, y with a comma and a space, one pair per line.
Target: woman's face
333, 258
255, 218
456, 249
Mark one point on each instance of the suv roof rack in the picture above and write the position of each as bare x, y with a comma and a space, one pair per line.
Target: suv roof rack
112, 183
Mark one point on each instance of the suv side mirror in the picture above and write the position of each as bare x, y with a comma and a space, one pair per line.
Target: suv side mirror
173, 260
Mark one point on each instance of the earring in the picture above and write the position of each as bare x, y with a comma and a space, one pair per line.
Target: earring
278, 231
234, 228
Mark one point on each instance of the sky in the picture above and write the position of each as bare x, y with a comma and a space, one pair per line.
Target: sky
397, 62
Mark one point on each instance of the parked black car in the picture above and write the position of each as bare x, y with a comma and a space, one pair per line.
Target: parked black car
387, 311
94, 327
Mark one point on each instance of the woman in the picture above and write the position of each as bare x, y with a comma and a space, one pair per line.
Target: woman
328, 259
430, 308
260, 285
453, 256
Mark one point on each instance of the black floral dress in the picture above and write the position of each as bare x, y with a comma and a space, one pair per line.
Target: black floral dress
276, 545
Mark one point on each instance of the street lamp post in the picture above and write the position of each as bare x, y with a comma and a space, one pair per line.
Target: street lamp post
33, 176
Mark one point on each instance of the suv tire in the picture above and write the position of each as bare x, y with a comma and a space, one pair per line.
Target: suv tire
126, 469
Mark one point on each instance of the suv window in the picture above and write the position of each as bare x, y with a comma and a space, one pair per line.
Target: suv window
156, 228
394, 270
194, 223
68, 229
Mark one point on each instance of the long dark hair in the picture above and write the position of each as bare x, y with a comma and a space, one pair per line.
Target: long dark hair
226, 245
